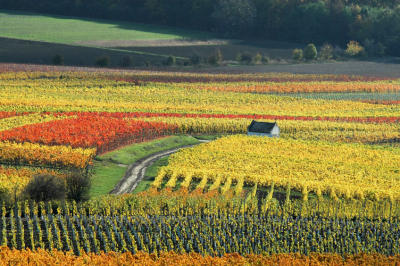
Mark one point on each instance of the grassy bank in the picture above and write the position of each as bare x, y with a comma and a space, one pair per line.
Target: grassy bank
109, 168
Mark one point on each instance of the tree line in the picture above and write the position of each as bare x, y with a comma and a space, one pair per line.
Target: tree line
333, 21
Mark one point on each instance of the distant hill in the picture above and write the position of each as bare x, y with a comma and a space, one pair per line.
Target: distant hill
37, 38
333, 21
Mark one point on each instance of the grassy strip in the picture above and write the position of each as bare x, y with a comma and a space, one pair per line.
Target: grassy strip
111, 167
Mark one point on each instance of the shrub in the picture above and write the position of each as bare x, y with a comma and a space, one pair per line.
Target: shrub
326, 52
58, 60
78, 186
310, 52
354, 49
297, 54
244, 58
257, 58
265, 59
126, 61
170, 61
102, 61
45, 187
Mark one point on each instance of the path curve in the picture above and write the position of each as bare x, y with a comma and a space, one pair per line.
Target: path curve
137, 170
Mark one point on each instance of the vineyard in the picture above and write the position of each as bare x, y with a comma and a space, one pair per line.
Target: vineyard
198, 230
327, 189
306, 166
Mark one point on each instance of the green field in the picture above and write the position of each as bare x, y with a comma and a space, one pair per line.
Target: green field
70, 30
37, 38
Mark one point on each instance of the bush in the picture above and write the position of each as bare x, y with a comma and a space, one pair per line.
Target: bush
265, 59
102, 61
297, 54
310, 52
58, 60
354, 49
326, 52
126, 61
45, 187
78, 186
257, 58
244, 58
170, 61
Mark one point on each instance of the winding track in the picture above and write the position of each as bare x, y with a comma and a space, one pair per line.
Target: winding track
137, 170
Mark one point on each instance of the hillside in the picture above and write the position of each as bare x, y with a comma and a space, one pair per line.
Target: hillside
37, 38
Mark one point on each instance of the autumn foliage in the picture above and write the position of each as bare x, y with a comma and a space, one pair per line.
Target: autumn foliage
104, 133
42, 257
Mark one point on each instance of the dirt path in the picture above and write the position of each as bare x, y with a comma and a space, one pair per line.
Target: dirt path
157, 43
137, 170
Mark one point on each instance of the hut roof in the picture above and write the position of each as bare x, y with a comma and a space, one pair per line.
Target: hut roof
261, 127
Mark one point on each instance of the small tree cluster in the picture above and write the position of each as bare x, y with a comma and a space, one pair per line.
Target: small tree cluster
297, 54
102, 61
308, 53
354, 49
47, 187
247, 58
326, 52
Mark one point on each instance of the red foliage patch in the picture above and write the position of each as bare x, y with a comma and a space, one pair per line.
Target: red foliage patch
104, 133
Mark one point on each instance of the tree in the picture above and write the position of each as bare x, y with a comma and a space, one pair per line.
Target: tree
102, 61
58, 60
78, 187
46, 187
234, 17
310, 52
170, 61
126, 61
257, 59
244, 58
354, 49
297, 54
326, 52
